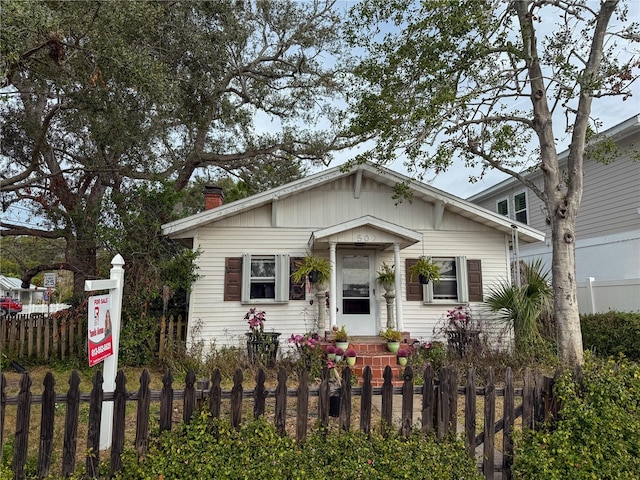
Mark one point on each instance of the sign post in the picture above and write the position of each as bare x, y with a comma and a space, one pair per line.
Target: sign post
49, 284
115, 285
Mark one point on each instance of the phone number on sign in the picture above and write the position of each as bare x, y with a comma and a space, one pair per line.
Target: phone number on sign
100, 349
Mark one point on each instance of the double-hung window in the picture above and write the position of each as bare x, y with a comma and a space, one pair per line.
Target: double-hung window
520, 207
265, 277
453, 284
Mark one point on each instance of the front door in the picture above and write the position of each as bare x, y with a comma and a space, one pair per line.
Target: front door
356, 292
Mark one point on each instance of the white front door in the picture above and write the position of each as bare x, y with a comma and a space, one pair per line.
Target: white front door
356, 292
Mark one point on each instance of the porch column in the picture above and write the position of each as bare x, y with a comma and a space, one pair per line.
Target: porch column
396, 262
333, 287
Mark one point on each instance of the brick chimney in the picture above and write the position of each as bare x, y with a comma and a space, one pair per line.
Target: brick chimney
213, 197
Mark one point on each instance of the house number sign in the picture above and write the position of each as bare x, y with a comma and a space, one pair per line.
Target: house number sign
365, 238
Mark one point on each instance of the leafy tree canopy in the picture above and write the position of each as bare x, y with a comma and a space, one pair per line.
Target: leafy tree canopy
477, 80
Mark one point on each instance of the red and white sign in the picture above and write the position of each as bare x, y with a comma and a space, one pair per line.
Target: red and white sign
100, 341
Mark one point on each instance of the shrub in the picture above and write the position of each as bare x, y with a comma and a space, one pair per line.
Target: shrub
612, 333
597, 432
212, 449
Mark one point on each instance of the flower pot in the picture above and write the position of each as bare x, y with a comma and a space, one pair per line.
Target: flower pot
338, 358
343, 345
402, 361
393, 347
351, 361
262, 347
331, 356
423, 279
313, 276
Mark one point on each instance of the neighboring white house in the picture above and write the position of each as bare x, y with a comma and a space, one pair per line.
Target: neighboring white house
607, 229
12, 287
249, 249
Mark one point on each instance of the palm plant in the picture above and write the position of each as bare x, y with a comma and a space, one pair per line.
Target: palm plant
523, 306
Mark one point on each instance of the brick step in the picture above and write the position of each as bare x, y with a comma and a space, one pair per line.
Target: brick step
372, 351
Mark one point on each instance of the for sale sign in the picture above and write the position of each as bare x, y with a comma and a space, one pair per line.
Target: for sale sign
100, 342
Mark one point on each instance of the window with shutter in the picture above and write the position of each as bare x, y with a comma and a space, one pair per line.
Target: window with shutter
265, 277
474, 271
233, 279
414, 289
296, 290
520, 207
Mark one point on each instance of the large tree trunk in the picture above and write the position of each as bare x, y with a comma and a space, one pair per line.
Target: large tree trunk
565, 303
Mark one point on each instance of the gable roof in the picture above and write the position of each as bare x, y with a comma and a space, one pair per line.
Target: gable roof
630, 126
185, 227
12, 284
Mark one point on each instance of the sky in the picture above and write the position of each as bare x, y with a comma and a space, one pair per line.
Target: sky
609, 111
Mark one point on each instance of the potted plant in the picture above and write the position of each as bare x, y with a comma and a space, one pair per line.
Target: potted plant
425, 270
403, 354
339, 354
262, 347
387, 277
393, 338
350, 355
341, 336
317, 269
331, 352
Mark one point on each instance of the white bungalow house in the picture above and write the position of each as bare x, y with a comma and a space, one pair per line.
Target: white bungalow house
607, 227
250, 247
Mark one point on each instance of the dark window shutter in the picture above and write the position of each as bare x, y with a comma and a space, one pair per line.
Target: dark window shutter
474, 272
414, 289
296, 290
233, 279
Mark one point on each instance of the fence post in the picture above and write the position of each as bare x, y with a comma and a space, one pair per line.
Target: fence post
488, 463
281, 402
119, 412
166, 401
507, 432
345, 400
302, 413
71, 425
47, 417
93, 429
259, 395
366, 400
189, 397
142, 421
215, 394
236, 399
23, 416
470, 412
323, 399
407, 402
427, 400
387, 400
443, 403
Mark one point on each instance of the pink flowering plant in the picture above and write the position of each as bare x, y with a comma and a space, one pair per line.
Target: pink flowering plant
255, 318
460, 319
310, 355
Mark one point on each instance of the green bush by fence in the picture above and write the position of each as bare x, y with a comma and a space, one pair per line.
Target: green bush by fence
612, 333
205, 449
597, 434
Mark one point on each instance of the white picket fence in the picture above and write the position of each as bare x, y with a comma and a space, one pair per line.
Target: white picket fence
43, 308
